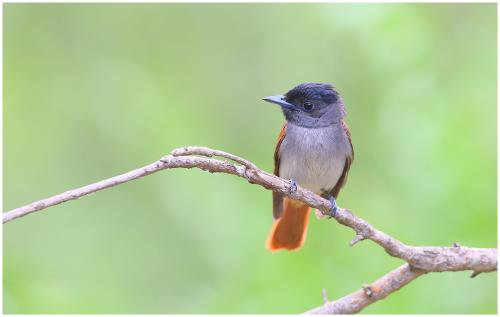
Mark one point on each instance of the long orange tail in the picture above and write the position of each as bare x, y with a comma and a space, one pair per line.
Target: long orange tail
289, 231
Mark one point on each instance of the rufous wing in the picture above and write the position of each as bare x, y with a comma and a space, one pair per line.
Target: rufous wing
347, 165
277, 197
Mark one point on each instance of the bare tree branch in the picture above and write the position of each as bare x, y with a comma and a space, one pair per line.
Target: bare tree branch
369, 294
420, 259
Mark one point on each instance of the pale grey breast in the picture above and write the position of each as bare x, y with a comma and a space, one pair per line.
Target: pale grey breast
314, 158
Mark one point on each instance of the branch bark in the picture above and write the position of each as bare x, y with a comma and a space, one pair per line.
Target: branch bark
420, 260
369, 294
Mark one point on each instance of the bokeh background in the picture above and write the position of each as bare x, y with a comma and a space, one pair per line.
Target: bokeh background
94, 90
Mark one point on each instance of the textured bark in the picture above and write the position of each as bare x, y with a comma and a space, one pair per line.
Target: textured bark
369, 294
420, 260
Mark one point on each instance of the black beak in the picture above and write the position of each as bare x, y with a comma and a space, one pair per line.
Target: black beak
279, 100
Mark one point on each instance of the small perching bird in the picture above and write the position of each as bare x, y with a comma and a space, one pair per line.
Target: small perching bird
315, 151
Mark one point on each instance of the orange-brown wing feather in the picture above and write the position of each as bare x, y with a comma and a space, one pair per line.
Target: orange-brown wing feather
277, 197
281, 137
348, 161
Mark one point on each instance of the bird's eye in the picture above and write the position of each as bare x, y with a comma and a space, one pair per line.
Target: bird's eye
308, 106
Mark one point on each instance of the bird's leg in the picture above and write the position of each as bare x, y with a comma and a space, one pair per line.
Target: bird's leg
293, 186
333, 210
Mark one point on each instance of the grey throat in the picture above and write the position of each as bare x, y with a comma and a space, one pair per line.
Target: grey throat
314, 157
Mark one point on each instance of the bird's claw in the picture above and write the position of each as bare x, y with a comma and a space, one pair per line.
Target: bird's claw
333, 210
293, 186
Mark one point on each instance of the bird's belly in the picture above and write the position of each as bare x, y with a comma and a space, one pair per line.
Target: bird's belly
314, 161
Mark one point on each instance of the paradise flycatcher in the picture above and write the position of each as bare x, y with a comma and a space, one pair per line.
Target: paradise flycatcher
314, 151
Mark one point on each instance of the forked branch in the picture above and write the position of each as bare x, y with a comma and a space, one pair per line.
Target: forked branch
419, 260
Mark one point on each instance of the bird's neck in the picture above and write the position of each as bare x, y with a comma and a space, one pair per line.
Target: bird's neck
314, 123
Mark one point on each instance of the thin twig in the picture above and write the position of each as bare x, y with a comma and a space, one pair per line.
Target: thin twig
356, 239
205, 151
324, 294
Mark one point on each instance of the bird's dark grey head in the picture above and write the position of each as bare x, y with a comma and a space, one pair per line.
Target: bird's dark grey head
311, 105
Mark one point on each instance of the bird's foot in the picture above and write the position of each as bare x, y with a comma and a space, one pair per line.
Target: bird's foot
333, 210
293, 186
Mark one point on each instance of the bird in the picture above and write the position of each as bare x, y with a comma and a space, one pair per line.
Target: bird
314, 151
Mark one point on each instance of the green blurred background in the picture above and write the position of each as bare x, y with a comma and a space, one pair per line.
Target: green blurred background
94, 90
